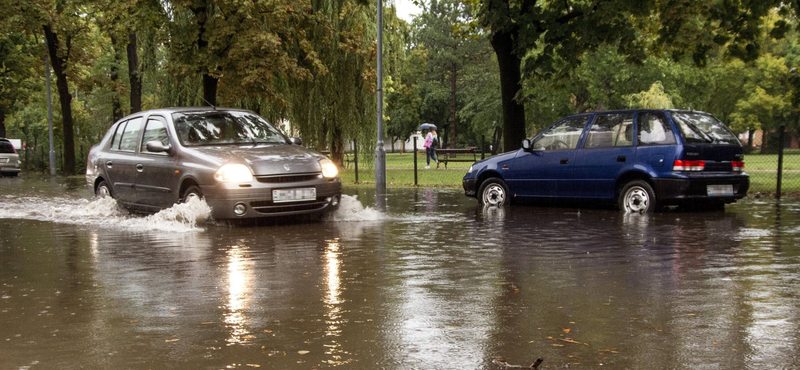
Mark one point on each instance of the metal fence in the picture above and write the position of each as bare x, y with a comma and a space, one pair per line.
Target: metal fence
774, 166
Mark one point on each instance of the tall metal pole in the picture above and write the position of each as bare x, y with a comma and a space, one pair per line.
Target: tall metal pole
380, 153
49, 111
781, 131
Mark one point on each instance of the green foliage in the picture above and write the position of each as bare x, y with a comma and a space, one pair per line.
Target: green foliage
654, 98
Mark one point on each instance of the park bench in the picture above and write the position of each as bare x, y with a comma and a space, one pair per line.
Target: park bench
457, 155
349, 158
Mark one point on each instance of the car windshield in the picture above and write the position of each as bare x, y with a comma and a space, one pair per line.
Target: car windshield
225, 128
703, 128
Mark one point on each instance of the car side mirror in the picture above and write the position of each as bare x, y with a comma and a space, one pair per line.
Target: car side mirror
296, 140
526, 145
155, 146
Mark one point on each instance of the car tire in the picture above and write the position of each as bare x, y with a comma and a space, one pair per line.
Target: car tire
191, 192
102, 190
637, 196
494, 192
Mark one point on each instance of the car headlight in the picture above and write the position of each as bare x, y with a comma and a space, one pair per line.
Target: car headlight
470, 169
329, 170
233, 173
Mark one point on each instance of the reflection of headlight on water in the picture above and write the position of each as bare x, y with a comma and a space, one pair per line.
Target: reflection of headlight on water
492, 213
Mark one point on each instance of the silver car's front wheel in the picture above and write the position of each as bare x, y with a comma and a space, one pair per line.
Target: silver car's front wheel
192, 193
637, 197
494, 193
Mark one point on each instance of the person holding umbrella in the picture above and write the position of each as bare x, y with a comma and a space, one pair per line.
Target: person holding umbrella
431, 142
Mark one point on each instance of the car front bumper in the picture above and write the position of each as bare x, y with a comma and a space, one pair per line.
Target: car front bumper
258, 200
678, 190
469, 187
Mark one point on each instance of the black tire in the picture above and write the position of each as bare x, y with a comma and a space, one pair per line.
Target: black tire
637, 196
191, 192
494, 192
103, 190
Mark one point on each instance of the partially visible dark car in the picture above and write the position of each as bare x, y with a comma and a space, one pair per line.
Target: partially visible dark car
240, 164
9, 159
641, 159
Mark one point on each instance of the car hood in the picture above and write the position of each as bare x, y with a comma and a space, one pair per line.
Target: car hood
498, 158
266, 159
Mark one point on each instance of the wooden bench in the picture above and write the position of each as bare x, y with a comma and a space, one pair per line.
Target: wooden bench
348, 157
457, 155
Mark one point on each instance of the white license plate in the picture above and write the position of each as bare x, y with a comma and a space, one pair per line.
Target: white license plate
720, 190
3, 160
294, 195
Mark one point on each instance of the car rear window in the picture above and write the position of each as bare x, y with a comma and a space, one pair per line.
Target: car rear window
6, 147
704, 128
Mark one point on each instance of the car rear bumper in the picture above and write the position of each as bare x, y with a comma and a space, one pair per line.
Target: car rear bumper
259, 203
677, 190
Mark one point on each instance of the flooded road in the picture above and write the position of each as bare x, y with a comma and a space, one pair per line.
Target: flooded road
434, 283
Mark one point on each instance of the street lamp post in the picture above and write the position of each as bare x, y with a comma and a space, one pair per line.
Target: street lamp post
380, 153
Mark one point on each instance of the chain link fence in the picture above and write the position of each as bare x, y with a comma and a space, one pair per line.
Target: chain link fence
774, 163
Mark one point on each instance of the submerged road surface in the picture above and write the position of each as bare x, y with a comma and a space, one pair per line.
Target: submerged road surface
436, 282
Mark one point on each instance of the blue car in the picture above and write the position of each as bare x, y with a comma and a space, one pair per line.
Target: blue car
640, 159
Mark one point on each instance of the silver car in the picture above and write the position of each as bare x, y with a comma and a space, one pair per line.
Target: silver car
240, 164
9, 159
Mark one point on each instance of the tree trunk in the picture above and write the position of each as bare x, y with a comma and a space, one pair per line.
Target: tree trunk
337, 147
210, 89
134, 74
510, 85
2, 123
764, 135
64, 97
453, 105
116, 104
750, 134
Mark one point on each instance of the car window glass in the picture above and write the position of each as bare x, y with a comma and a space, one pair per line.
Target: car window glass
562, 135
610, 130
155, 130
117, 136
225, 128
6, 147
703, 128
654, 129
131, 135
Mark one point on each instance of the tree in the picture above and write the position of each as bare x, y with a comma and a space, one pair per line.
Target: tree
17, 56
551, 36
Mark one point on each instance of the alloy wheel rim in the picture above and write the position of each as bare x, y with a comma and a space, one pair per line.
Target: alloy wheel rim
103, 192
637, 200
190, 196
494, 195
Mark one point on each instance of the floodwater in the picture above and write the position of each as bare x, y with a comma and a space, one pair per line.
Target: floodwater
436, 282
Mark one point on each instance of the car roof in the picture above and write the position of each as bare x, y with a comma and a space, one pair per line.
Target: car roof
636, 110
171, 110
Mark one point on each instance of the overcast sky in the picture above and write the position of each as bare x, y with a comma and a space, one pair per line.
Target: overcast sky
406, 9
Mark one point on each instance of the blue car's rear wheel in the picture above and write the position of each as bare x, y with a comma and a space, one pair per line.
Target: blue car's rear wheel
494, 192
637, 196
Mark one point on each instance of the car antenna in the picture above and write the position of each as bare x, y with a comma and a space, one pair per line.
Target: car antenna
199, 96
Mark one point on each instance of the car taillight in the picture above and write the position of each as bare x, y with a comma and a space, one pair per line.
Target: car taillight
738, 166
687, 165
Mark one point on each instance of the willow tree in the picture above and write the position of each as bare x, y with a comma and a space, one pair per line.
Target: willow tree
339, 104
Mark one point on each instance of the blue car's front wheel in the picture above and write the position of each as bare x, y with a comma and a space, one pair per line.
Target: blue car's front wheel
494, 192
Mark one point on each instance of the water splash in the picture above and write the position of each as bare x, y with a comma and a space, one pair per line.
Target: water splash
105, 213
351, 210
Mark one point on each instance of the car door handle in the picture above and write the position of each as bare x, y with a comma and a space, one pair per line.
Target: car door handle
564, 160
139, 167
109, 164
621, 158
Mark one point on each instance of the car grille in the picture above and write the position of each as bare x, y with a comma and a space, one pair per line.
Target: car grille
268, 207
278, 179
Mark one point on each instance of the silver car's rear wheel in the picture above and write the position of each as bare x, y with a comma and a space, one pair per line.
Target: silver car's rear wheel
102, 190
637, 197
494, 192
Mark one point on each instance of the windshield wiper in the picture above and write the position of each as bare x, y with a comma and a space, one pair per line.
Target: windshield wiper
702, 133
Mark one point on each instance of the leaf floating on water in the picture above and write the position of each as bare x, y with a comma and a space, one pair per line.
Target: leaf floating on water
565, 330
557, 345
134, 321
303, 352
207, 323
171, 340
267, 331
253, 365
